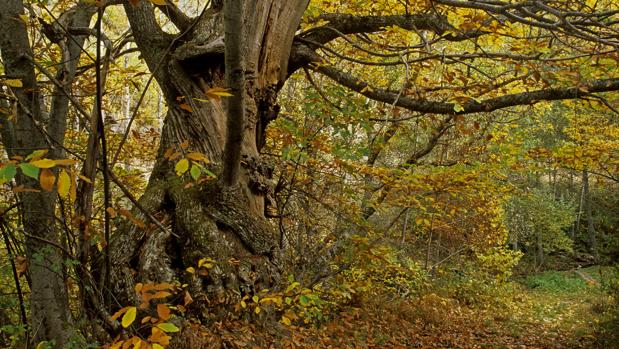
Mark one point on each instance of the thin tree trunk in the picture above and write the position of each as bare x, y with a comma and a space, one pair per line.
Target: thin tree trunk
539, 247
588, 211
32, 129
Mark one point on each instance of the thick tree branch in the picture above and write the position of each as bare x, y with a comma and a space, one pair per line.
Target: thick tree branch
149, 37
344, 24
176, 16
425, 106
235, 81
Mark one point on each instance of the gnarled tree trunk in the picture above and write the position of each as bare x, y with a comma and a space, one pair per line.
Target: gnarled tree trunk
212, 219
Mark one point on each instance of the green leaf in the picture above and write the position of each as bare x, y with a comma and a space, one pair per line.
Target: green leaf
303, 300
181, 167
167, 327
7, 172
129, 317
209, 173
29, 170
195, 172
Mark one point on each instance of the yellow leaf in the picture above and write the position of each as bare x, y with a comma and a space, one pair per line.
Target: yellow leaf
47, 179
43, 163
37, 154
73, 190
157, 346
285, 320
85, 179
129, 317
64, 184
257, 310
181, 167
206, 262
191, 270
14, 82
216, 92
24, 19
42, 345
158, 2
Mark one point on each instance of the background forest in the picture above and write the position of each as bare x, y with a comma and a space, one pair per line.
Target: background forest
309, 174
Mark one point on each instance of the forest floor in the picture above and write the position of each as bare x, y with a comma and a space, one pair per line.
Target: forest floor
553, 309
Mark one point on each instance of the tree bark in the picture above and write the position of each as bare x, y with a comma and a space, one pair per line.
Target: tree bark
224, 222
235, 82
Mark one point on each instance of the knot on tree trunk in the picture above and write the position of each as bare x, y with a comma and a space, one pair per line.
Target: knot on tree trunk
260, 173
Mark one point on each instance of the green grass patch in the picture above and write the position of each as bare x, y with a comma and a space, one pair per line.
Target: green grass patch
556, 282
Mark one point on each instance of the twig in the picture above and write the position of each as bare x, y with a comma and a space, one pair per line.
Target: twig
22, 308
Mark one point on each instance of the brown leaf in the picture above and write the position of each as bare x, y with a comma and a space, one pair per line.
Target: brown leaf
21, 264
111, 212
187, 299
186, 107
47, 179
161, 294
22, 189
163, 311
118, 313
